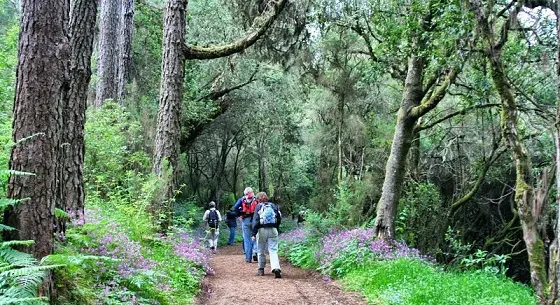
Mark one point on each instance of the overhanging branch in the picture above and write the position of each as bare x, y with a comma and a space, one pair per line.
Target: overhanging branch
454, 114
259, 27
215, 95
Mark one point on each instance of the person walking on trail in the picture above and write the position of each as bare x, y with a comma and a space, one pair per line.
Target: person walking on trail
246, 208
231, 220
212, 217
266, 221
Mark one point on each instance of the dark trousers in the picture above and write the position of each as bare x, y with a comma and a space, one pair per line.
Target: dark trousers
231, 235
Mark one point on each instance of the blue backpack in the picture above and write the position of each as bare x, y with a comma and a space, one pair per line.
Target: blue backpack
267, 214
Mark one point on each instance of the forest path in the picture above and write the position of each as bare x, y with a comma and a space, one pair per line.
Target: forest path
236, 282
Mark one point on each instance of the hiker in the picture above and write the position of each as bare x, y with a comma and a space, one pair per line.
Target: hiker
212, 218
266, 221
300, 218
245, 206
231, 220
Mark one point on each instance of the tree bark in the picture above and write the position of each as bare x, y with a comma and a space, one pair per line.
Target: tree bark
555, 248
414, 157
82, 28
523, 188
171, 96
125, 47
107, 62
41, 85
402, 139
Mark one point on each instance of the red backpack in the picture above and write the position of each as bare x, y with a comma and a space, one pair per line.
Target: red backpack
248, 208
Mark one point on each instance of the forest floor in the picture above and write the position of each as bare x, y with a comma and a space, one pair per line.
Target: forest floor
236, 282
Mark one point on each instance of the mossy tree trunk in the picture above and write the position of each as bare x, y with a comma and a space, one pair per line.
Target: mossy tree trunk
555, 247
402, 139
420, 96
523, 185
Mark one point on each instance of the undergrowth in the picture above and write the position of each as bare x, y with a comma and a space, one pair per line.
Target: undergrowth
391, 274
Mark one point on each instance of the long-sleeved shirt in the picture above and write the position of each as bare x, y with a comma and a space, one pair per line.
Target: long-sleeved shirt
207, 213
238, 207
256, 218
231, 218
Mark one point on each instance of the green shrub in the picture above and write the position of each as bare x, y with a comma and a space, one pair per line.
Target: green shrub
419, 219
413, 282
112, 167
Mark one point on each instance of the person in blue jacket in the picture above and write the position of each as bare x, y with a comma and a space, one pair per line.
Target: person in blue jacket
245, 208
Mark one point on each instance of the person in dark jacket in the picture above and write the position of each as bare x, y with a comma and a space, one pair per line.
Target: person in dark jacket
231, 220
266, 221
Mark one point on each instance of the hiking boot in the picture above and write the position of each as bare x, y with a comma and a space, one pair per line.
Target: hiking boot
260, 271
277, 273
255, 259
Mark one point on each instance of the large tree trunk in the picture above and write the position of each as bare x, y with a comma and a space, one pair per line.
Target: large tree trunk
41, 85
107, 61
82, 28
171, 96
555, 247
402, 139
125, 47
523, 188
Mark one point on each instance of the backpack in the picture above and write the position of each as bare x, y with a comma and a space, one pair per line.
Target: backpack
248, 208
213, 219
267, 214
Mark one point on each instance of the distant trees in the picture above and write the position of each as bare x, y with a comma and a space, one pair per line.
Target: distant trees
176, 51
115, 50
107, 61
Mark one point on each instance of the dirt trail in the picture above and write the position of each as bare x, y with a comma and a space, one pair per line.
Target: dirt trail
235, 282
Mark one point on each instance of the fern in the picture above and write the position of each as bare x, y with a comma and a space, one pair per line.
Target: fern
6, 300
61, 214
20, 273
7, 202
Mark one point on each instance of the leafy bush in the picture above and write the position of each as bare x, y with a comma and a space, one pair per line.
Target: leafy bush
298, 248
391, 274
107, 266
112, 167
419, 220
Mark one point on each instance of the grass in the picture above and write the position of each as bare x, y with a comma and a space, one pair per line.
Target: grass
414, 282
